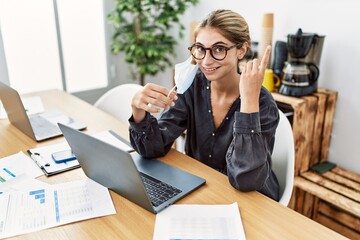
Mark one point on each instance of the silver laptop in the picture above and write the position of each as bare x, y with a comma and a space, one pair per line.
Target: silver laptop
149, 183
40, 126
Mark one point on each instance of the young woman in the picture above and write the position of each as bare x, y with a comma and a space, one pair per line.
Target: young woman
229, 118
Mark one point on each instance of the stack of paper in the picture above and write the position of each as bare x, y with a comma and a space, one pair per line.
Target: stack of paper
199, 222
28, 205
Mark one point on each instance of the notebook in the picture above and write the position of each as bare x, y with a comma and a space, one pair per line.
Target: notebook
40, 126
149, 183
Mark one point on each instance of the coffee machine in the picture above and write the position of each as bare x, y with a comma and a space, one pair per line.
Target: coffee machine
301, 71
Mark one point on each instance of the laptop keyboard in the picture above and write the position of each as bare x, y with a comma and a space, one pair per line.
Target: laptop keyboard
43, 128
158, 191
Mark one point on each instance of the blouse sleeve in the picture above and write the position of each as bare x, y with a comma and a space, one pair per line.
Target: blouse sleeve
153, 138
249, 154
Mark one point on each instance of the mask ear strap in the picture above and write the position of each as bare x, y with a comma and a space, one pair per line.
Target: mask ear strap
193, 62
173, 89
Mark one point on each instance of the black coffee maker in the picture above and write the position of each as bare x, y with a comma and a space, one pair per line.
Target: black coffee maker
301, 71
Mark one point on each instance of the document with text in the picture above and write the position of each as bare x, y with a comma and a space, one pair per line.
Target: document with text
17, 164
205, 222
44, 207
21, 182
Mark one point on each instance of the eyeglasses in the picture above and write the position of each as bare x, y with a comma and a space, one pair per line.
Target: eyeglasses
218, 52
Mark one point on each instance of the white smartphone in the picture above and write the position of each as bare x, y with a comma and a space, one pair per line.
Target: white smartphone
63, 156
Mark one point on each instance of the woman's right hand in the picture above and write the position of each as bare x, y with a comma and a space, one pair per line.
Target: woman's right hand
151, 98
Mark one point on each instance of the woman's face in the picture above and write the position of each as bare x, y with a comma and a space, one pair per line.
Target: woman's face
216, 69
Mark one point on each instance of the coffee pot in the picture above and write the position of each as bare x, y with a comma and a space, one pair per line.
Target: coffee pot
301, 71
300, 76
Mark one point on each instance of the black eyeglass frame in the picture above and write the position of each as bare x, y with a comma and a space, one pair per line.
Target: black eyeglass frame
211, 52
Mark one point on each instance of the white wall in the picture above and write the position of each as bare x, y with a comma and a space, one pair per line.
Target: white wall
338, 21
3, 67
30, 44
54, 44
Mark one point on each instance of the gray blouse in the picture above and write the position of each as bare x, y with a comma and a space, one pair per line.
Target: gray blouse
240, 147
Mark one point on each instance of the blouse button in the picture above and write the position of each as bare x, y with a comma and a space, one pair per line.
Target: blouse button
213, 134
209, 111
227, 118
207, 87
252, 131
143, 132
210, 156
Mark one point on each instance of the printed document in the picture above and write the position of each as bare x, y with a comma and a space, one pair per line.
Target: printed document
39, 208
17, 164
21, 182
182, 221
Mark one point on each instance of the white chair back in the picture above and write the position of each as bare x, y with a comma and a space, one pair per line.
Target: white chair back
117, 101
283, 158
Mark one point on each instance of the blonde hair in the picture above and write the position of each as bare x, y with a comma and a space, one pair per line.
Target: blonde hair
230, 24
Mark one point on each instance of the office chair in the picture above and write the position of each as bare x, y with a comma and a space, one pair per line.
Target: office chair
283, 158
117, 101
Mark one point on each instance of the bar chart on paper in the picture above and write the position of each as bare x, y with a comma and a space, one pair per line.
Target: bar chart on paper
33, 210
6, 174
73, 203
36, 209
13, 166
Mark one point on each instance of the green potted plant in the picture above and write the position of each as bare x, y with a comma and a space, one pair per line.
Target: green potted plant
141, 31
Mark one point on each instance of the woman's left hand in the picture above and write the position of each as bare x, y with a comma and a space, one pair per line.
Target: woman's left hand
251, 80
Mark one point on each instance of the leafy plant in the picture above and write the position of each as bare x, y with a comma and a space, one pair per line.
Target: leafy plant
142, 32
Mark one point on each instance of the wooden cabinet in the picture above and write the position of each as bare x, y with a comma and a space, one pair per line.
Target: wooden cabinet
331, 198
311, 118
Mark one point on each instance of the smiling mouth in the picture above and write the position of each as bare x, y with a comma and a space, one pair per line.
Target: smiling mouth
211, 69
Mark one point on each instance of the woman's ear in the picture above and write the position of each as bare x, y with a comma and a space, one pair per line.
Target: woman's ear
243, 50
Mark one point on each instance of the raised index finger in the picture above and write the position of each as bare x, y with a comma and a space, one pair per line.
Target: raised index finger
265, 59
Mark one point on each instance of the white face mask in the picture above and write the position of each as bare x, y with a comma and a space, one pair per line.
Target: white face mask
184, 75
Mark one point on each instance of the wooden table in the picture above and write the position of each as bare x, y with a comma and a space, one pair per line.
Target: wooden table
262, 217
